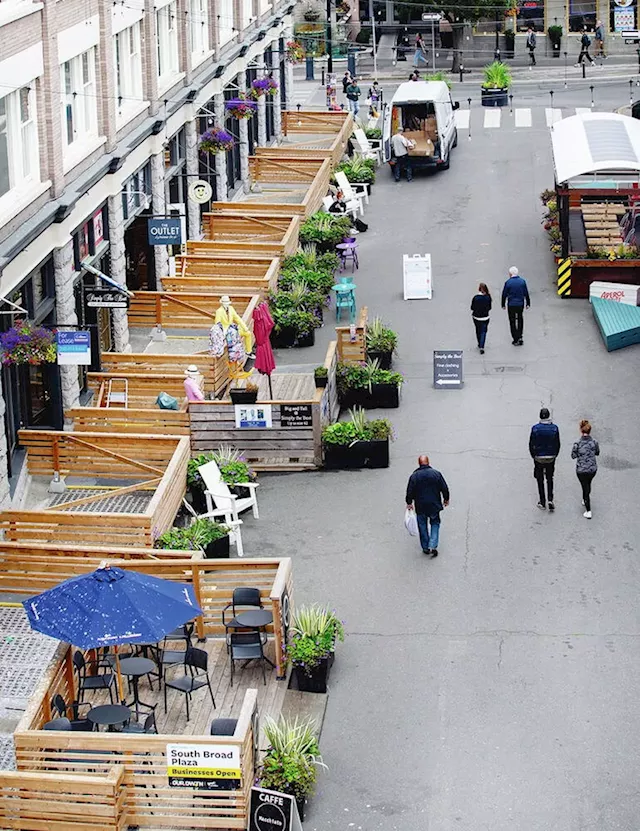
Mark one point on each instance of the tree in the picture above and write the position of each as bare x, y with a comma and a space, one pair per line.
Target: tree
459, 12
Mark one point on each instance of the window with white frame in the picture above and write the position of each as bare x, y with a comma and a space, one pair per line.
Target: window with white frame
19, 159
199, 25
247, 12
128, 65
79, 101
226, 26
167, 38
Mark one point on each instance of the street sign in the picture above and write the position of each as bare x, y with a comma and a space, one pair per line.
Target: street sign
447, 369
273, 811
253, 415
208, 767
416, 272
296, 415
106, 299
200, 192
165, 231
431, 17
74, 348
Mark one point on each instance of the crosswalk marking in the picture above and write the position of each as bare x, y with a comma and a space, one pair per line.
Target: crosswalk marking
462, 119
552, 115
523, 117
492, 117
583, 110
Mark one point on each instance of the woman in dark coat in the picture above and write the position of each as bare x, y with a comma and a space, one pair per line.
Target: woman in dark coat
480, 308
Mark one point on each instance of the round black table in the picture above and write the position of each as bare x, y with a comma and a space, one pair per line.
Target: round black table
253, 619
109, 715
133, 668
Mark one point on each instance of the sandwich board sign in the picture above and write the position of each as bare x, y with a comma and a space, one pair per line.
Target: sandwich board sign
273, 811
416, 273
447, 369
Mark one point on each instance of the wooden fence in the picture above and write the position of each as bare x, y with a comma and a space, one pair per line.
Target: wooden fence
158, 463
214, 274
322, 136
277, 237
142, 364
144, 794
186, 310
352, 345
312, 176
263, 210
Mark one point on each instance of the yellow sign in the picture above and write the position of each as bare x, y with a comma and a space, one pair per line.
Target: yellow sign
204, 766
564, 277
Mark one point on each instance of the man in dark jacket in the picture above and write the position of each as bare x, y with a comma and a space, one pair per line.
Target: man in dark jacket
427, 493
515, 295
544, 446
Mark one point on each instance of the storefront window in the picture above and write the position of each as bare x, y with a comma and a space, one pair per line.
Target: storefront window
530, 13
622, 16
582, 13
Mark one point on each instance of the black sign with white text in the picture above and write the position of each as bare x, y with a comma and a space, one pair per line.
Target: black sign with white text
273, 811
296, 415
447, 369
106, 299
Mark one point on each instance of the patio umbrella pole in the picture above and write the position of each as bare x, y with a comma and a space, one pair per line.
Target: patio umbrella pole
119, 677
270, 389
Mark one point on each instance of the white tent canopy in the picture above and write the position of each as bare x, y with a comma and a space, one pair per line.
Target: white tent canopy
596, 145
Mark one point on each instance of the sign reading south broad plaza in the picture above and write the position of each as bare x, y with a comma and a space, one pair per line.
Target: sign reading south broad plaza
273, 811
447, 369
208, 767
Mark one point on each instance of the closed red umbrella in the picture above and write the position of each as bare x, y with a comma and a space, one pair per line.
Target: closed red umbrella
265, 362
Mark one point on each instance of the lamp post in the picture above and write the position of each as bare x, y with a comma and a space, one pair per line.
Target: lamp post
329, 39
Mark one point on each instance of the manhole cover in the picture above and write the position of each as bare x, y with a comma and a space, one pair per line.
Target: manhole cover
508, 368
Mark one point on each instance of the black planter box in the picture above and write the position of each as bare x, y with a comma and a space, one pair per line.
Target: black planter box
384, 359
321, 380
307, 340
283, 339
316, 680
243, 396
495, 97
197, 499
217, 548
386, 396
369, 454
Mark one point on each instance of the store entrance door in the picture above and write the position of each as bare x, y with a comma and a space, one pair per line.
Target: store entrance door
141, 267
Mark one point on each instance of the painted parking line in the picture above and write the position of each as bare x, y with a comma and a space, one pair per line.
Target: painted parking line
523, 117
492, 117
552, 115
462, 119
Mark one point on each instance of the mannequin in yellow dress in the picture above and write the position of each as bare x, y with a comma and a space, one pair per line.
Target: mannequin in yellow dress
226, 315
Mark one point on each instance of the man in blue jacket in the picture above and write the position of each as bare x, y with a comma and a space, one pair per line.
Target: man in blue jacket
427, 494
544, 446
515, 295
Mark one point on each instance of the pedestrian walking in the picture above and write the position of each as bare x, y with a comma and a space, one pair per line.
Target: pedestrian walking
584, 452
346, 80
480, 308
585, 43
374, 99
515, 295
544, 446
427, 495
599, 33
531, 45
353, 95
400, 147
421, 52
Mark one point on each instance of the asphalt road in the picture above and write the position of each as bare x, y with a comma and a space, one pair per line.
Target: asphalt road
495, 688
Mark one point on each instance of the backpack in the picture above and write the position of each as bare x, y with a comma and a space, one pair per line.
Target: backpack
586, 40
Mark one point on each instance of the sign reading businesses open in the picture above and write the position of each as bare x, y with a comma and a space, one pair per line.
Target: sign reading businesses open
209, 767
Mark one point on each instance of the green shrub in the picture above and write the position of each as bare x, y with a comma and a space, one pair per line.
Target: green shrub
233, 469
359, 428
325, 230
496, 76
373, 133
197, 536
380, 338
362, 376
292, 759
359, 170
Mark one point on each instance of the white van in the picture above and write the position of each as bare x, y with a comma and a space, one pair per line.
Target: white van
425, 111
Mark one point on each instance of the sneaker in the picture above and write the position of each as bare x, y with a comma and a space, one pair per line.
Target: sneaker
587, 514
514, 342
552, 507
481, 351
542, 506
577, 64
434, 553
426, 551
520, 342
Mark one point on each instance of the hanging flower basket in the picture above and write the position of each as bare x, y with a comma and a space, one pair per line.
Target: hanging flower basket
295, 52
26, 343
263, 86
216, 140
240, 107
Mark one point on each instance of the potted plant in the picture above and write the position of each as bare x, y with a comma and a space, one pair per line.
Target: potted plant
325, 230
321, 376
311, 14
27, 343
294, 52
510, 43
374, 133
264, 86
367, 385
203, 534
555, 36
495, 87
291, 761
381, 343
294, 325
312, 639
244, 395
359, 171
216, 140
240, 107
357, 443
179, 539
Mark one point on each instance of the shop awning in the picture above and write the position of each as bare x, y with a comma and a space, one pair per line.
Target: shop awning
595, 144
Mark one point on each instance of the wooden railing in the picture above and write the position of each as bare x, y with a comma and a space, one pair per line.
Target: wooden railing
207, 273
352, 345
277, 236
183, 310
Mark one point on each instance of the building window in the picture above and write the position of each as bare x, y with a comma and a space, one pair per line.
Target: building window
199, 19
19, 159
167, 36
128, 67
247, 12
226, 23
79, 102
582, 13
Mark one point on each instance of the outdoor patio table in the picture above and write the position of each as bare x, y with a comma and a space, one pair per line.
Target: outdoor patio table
257, 619
133, 668
109, 715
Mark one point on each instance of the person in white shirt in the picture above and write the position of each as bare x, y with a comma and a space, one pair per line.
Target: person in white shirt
400, 147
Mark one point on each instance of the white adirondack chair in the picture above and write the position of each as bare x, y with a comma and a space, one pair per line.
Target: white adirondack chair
367, 148
219, 490
351, 190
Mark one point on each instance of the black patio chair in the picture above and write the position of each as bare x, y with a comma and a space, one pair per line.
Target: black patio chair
173, 657
105, 681
196, 661
72, 713
246, 647
242, 599
58, 724
147, 726
223, 726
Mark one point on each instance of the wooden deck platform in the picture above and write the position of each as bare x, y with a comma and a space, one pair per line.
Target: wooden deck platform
287, 386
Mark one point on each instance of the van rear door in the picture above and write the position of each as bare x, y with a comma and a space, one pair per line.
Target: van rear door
386, 132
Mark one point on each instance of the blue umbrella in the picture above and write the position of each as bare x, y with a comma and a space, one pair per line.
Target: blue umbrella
111, 606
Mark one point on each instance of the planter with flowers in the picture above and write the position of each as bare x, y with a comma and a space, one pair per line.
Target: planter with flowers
27, 343
295, 52
357, 443
264, 86
216, 140
241, 107
311, 648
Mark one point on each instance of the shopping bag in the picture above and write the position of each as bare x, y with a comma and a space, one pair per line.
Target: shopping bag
411, 523
166, 402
